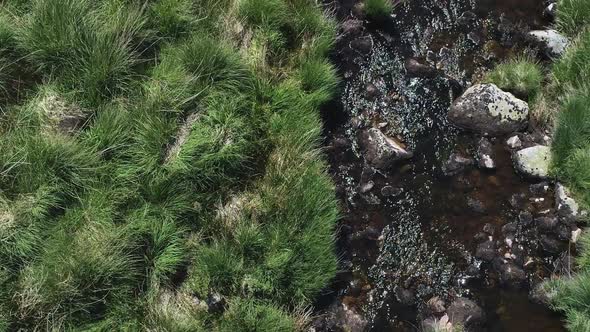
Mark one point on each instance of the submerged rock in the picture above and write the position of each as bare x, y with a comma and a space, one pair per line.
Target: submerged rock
554, 42
416, 69
484, 154
466, 313
381, 151
534, 161
486, 109
456, 164
511, 275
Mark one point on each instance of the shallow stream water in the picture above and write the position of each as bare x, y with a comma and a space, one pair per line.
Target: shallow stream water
411, 227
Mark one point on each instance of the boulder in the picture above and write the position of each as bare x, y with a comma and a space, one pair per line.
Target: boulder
466, 313
534, 161
486, 109
381, 151
555, 43
484, 154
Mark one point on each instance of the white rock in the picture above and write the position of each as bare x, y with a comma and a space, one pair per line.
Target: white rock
534, 161
553, 40
514, 142
576, 235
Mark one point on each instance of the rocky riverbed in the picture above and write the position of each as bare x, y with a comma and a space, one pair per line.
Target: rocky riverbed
449, 216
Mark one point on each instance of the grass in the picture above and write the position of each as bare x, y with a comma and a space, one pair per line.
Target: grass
377, 9
572, 15
568, 91
522, 76
572, 70
153, 156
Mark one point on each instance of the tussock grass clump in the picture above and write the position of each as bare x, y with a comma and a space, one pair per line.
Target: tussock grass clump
378, 9
572, 15
572, 70
573, 125
521, 76
251, 316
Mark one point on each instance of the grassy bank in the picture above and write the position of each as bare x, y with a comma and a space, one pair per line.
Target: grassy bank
563, 105
159, 156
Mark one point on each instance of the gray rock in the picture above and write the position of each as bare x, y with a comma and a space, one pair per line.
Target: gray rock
554, 42
486, 251
486, 109
485, 154
567, 207
466, 313
534, 161
352, 27
381, 151
456, 164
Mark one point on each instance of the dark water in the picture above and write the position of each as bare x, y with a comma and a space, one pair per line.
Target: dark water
423, 238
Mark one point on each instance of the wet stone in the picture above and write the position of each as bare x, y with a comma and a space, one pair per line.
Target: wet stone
381, 151
389, 191
476, 205
352, 27
486, 251
550, 244
371, 91
539, 188
466, 313
414, 68
436, 305
489, 229
546, 223
363, 45
511, 275
485, 154
510, 228
517, 201
404, 296
456, 164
